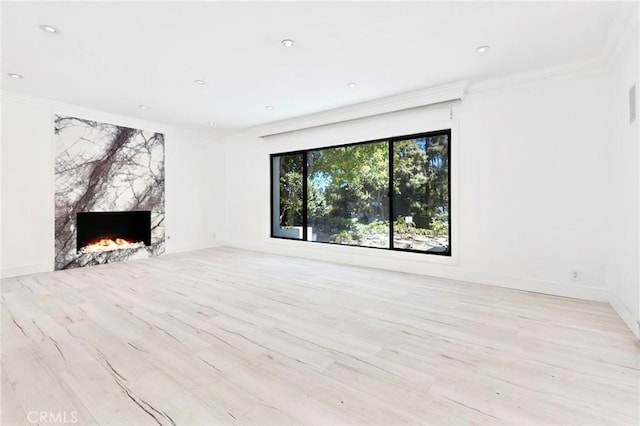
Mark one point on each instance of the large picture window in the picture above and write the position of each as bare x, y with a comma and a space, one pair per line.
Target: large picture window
391, 194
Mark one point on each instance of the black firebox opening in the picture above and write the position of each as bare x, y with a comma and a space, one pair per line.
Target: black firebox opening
133, 226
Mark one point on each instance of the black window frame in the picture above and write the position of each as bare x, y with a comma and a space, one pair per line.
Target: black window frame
305, 152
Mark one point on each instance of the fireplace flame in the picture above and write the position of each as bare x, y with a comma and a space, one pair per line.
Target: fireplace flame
107, 244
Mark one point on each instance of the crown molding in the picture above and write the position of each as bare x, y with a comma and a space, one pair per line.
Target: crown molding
57, 107
403, 101
621, 30
591, 66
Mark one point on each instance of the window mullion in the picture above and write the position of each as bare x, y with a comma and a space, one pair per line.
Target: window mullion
390, 206
305, 195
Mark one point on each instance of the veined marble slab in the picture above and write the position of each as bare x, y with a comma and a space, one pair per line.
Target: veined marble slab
102, 167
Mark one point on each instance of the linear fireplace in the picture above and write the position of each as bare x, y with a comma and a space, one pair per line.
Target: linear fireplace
99, 232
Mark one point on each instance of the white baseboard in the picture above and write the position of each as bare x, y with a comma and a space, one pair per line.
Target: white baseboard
556, 289
17, 271
583, 292
170, 249
632, 322
417, 264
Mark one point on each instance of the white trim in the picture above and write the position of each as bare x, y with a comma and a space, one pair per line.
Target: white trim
61, 108
454, 184
434, 95
591, 66
601, 63
170, 249
420, 264
582, 292
401, 262
17, 271
400, 102
625, 314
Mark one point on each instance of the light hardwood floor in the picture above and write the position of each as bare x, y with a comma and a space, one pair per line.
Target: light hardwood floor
225, 336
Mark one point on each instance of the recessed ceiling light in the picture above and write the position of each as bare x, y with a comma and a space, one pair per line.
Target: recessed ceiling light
269, 107
199, 82
211, 123
287, 42
351, 85
143, 107
49, 29
14, 75
482, 49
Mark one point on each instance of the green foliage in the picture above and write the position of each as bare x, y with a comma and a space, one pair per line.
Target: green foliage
421, 177
440, 225
400, 226
348, 194
317, 203
353, 179
376, 227
290, 190
343, 231
343, 237
350, 231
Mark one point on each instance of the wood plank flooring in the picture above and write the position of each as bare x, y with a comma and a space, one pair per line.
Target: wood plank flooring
225, 336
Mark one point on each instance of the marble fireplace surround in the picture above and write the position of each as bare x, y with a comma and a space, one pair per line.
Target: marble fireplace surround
102, 167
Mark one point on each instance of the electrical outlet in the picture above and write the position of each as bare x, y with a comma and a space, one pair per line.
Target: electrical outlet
213, 235
576, 275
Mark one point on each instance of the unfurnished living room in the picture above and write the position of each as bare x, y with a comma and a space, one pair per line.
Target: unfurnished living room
320, 213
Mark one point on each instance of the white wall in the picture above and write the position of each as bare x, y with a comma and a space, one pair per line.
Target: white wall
27, 189
194, 173
622, 227
530, 164
195, 198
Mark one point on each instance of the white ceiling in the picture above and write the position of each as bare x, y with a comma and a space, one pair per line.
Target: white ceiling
115, 56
